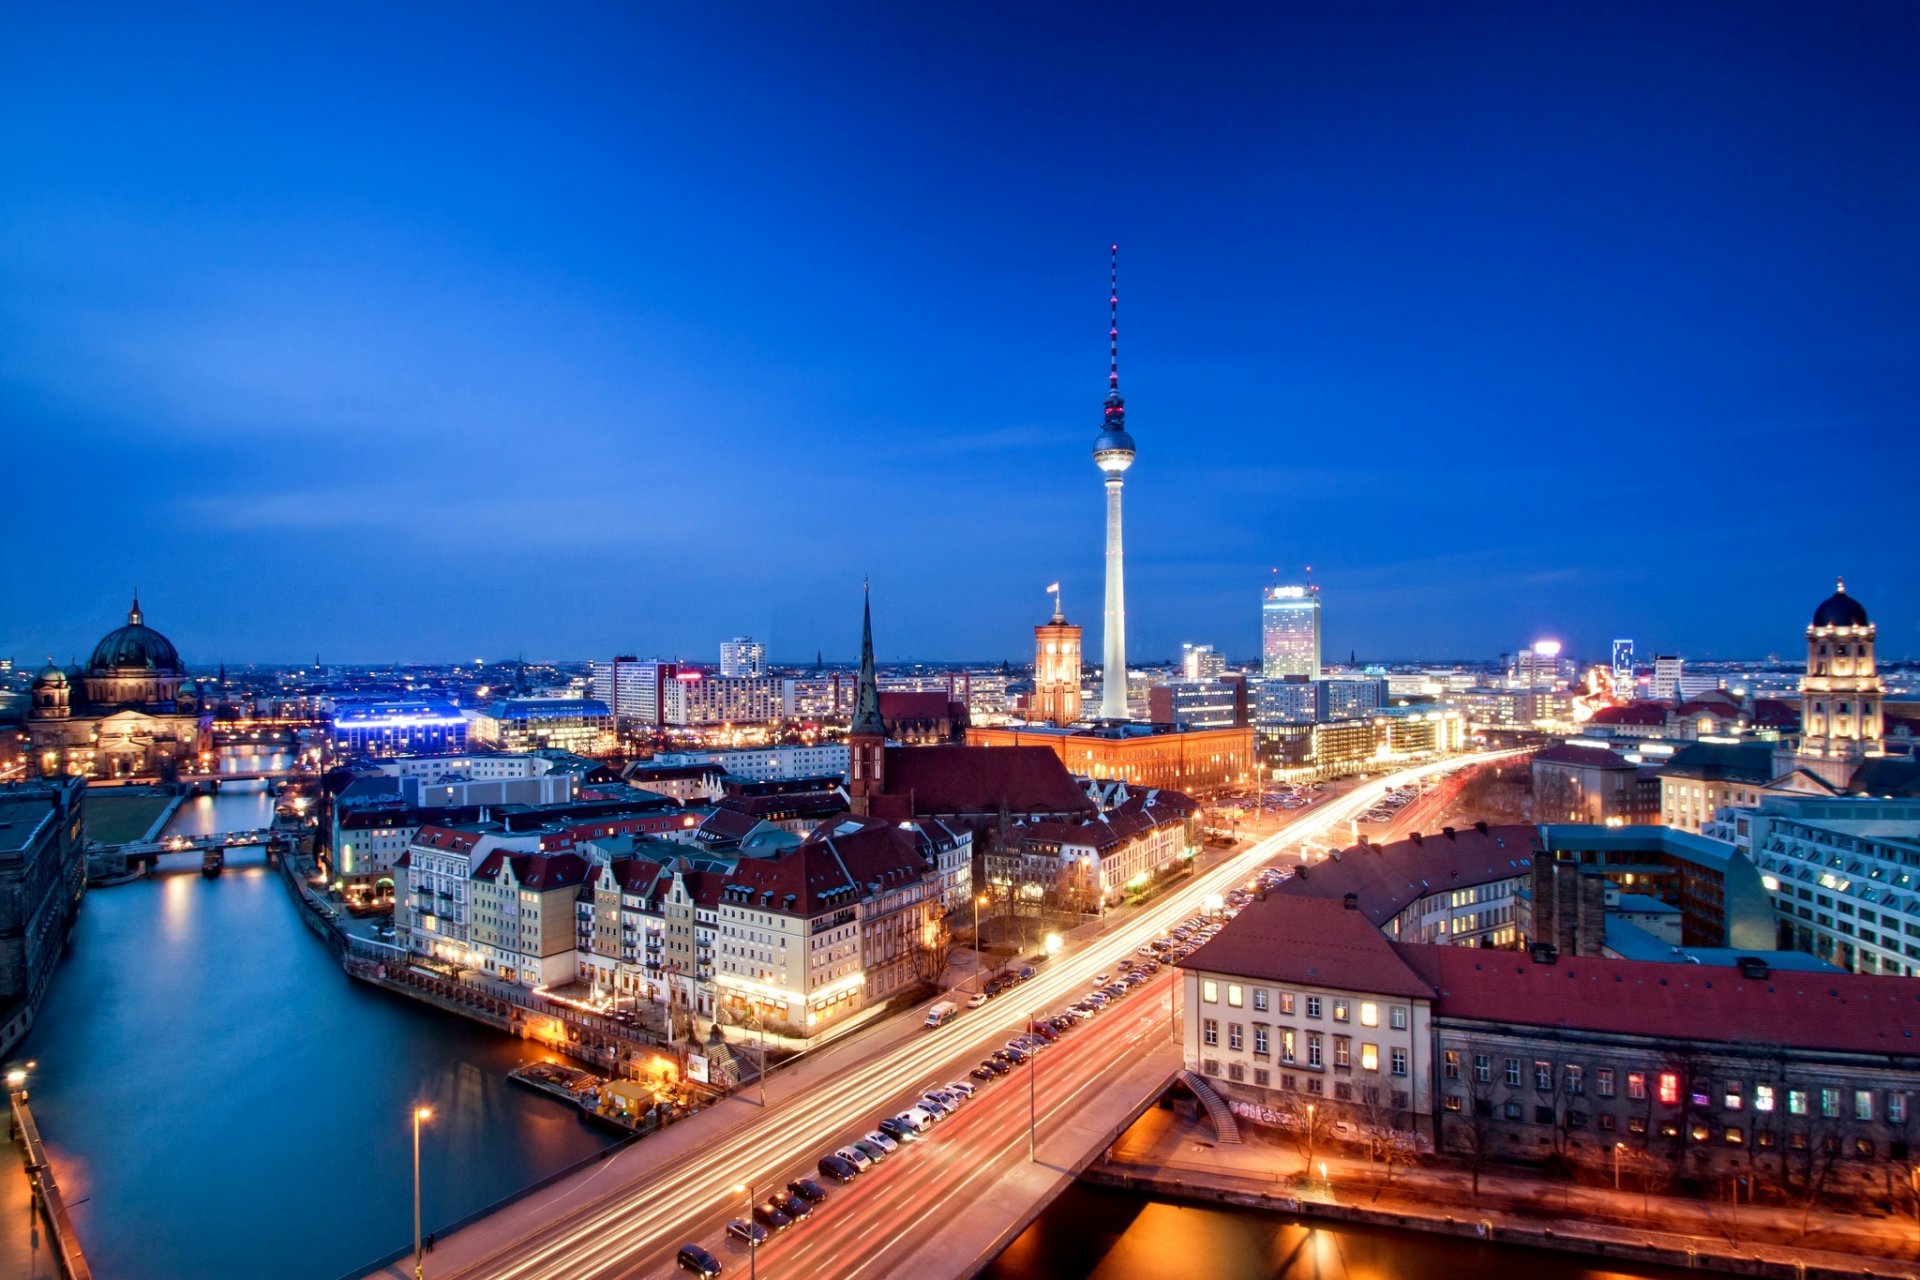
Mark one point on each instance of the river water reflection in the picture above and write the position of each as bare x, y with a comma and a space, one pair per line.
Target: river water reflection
1092, 1233
220, 1100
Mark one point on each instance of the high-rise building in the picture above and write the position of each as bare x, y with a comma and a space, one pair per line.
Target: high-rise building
742, 656
1200, 662
1056, 667
634, 689
1623, 668
1113, 454
1290, 632
1667, 669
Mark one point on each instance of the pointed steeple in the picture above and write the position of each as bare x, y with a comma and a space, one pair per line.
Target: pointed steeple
866, 707
133, 614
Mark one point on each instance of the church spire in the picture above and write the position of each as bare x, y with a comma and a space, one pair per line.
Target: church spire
133, 614
866, 708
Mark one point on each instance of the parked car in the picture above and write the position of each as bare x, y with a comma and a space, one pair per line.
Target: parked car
1015, 1054
1102, 979
807, 1189
983, 1073
918, 1119
999, 1064
934, 1107
840, 1168
697, 1260
771, 1216
1026, 972
752, 1234
884, 1140
977, 999
898, 1131
793, 1206
962, 1088
875, 1152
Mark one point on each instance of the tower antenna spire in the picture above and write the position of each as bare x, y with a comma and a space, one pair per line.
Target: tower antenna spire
1113, 319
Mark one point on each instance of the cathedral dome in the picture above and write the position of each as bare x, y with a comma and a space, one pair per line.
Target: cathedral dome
49, 677
1840, 610
134, 645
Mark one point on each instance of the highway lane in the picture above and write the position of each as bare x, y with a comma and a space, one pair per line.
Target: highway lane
631, 1228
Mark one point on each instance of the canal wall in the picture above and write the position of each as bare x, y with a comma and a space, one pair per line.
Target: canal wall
1638, 1246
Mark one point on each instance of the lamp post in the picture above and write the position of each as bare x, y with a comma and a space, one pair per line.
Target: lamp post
1312, 1135
1617, 1148
753, 1245
420, 1116
978, 898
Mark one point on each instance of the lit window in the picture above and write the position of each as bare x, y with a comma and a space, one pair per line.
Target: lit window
1863, 1104
1341, 1011
1369, 1014
1235, 996
1210, 991
1763, 1097
1369, 1057
1397, 1017
1669, 1089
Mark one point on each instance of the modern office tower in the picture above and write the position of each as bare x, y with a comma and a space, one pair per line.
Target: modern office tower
1056, 667
1290, 632
742, 656
1200, 662
633, 688
1113, 454
1538, 666
1623, 668
1667, 671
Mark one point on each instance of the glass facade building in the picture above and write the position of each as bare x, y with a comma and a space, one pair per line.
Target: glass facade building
1290, 632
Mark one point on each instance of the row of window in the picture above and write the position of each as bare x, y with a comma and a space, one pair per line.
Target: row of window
1314, 1043
1666, 1086
1288, 1002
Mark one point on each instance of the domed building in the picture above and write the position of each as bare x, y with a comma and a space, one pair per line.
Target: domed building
1841, 725
131, 711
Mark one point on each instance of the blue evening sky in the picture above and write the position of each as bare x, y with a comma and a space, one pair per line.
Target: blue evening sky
422, 331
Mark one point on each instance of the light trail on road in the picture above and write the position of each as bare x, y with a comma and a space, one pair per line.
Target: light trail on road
636, 1229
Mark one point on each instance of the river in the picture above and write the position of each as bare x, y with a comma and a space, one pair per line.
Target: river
1094, 1232
220, 1100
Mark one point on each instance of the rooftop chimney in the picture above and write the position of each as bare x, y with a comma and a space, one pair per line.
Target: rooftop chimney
1544, 953
1350, 901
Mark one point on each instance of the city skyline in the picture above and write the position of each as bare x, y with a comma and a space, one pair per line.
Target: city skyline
389, 381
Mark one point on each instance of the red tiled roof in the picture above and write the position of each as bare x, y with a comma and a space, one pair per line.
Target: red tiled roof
1140, 813
1311, 941
1388, 877
447, 838
901, 704
798, 804
979, 780
833, 867
1845, 1012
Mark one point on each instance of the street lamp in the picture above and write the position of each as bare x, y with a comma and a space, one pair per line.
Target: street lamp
1618, 1147
1312, 1136
978, 898
753, 1245
420, 1116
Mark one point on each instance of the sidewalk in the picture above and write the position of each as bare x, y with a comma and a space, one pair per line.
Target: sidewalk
1166, 1153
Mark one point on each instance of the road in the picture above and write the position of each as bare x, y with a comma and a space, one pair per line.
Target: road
634, 1226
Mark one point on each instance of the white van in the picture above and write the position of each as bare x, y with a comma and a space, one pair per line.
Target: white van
942, 1013
916, 1119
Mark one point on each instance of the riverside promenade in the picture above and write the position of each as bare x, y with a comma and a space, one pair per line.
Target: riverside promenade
1170, 1156
73, 1262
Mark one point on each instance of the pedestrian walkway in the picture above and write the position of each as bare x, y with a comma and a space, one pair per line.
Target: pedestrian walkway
1172, 1154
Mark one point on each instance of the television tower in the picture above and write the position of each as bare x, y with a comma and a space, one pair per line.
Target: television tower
1113, 454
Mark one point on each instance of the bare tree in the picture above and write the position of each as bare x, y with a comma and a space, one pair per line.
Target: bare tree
932, 951
1466, 1119
1308, 1125
1387, 1142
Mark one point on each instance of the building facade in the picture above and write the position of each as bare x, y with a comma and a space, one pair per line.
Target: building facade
580, 725
1290, 632
132, 711
1056, 670
742, 657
